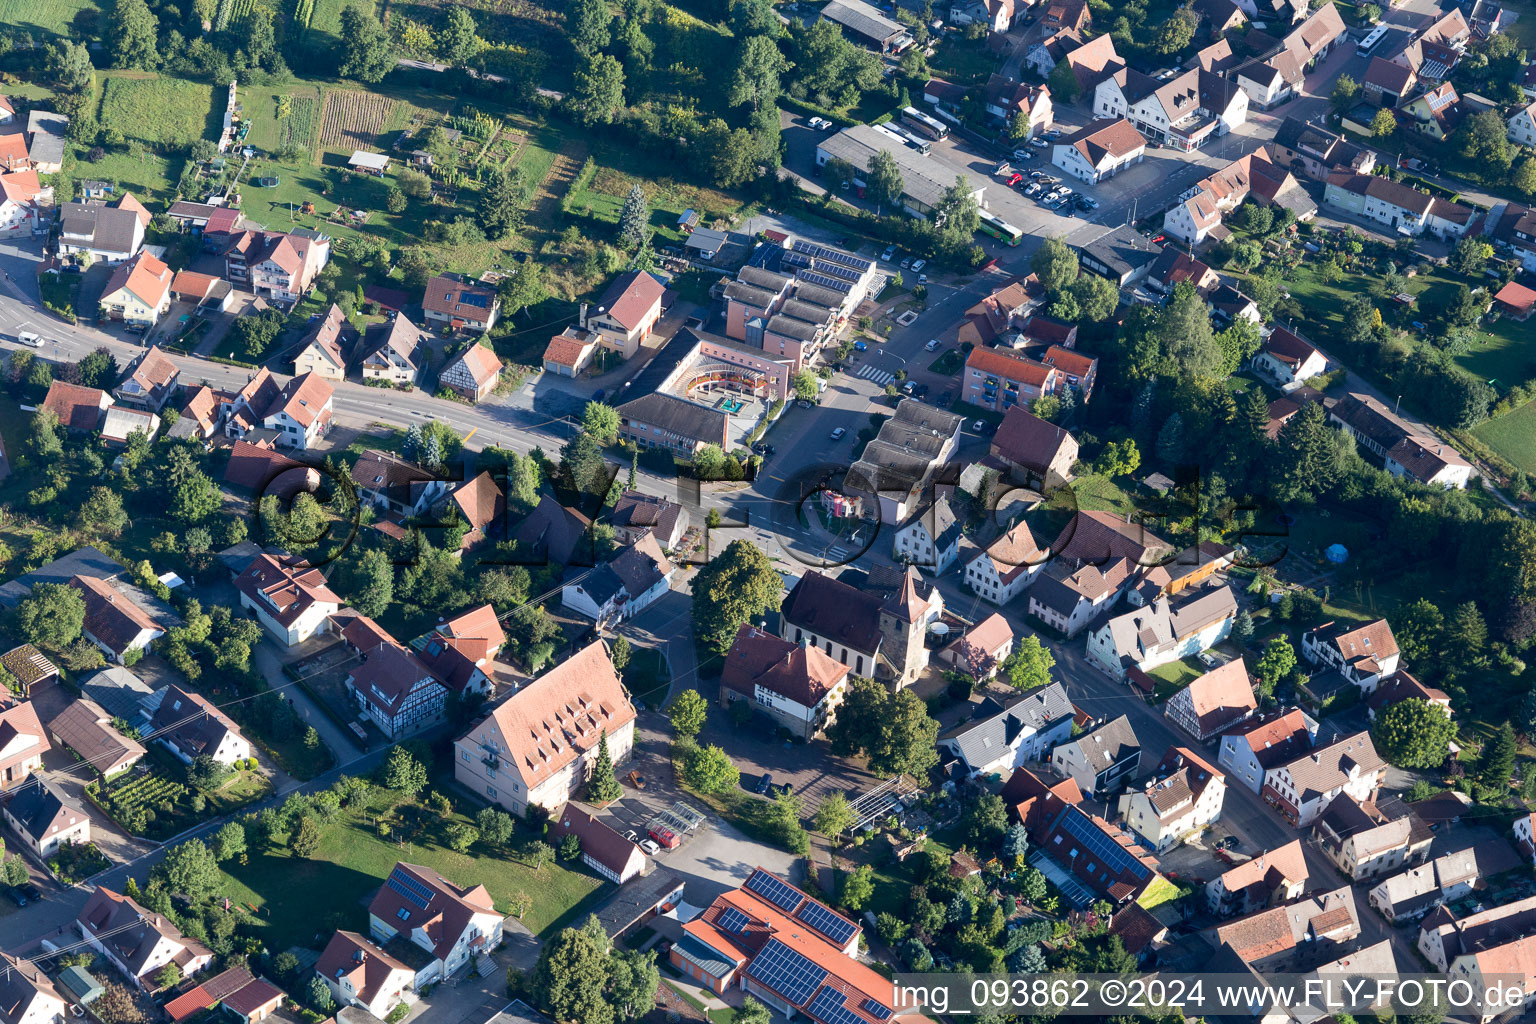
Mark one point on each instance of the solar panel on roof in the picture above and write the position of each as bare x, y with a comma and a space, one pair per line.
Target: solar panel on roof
834, 927
787, 972
828, 1008
409, 888
826, 282
875, 1009
1114, 856
733, 920
781, 895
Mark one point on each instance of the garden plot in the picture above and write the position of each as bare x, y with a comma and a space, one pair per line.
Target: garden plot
352, 120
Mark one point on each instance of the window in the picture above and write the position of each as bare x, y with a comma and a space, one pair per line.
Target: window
490, 791
403, 914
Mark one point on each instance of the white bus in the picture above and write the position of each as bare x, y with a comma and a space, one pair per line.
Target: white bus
923, 124
1369, 42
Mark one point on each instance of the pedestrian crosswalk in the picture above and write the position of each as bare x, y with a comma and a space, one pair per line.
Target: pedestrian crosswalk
880, 377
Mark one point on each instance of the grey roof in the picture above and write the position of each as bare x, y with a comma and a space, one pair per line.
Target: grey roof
761, 277
46, 131
924, 180
982, 740
940, 522
706, 238
1109, 744
118, 691
35, 808
863, 19
793, 327
107, 228
86, 561
750, 294
1123, 250
636, 898
678, 416
602, 584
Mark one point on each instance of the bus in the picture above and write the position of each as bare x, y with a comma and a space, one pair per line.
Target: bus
912, 139
922, 123
1000, 229
1369, 42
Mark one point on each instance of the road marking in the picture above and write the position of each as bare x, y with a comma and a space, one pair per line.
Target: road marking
868, 372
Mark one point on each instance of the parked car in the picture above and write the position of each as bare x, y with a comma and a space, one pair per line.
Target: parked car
919, 265
1021, 154
1084, 203
763, 448
1037, 175
837, 434
16, 895
888, 255
1064, 190
764, 784
637, 780
861, 346
906, 263
922, 278
1051, 134
1014, 179
1039, 143
1033, 190
932, 346
650, 847
908, 387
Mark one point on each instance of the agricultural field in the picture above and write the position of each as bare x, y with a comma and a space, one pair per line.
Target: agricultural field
163, 111
49, 17
230, 13
351, 119
281, 117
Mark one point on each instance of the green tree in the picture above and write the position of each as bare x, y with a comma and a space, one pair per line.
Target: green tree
229, 841
169, 976
68, 66
460, 836
190, 870
305, 840
957, 214
1063, 83
599, 91
588, 25
709, 769
1414, 733
858, 887
1016, 844
619, 652
1184, 332
602, 422
730, 154
457, 37
1497, 763
835, 815
496, 826
1055, 264
906, 740
1468, 633
581, 463
687, 712
804, 384
1485, 138
603, 786
883, 184
52, 616
1176, 33
205, 774
403, 773
632, 982
735, 586
755, 72
1277, 662
1471, 255
1346, 93
1383, 124
1096, 297
368, 53
523, 481
319, 995
750, 1012
1029, 665
634, 219
102, 512
571, 978
373, 590
1524, 177
501, 202
986, 820
131, 39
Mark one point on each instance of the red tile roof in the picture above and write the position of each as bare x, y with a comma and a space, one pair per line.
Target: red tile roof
76, 407
631, 297
448, 911
803, 674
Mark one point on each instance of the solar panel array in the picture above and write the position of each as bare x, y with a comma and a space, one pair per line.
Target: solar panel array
828, 1008
408, 887
733, 920
824, 254
815, 277
834, 927
1114, 856
788, 973
781, 895
875, 1009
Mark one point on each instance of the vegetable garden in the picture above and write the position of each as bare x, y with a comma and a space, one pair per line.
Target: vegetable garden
351, 118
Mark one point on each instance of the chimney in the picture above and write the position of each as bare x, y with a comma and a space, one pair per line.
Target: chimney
583, 318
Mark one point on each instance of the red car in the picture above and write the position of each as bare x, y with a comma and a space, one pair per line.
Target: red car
1015, 179
666, 837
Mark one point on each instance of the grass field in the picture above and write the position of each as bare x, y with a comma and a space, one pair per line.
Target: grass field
268, 132
52, 17
160, 110
353, 861
1513, 436
618, 171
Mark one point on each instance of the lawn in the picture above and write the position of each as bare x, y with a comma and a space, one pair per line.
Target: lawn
301, 117
1174, 676
1513, 436
353, 861
1097, 493
164, 111
50, 17
618, 169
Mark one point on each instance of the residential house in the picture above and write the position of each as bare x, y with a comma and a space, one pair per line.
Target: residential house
627, 313
392, 484
1271, 878
79, 409
1386, 83
1434, 50
394, 351
1099, 556
897, 467
1075, 371
460, 651
1411, 894
292, 602
395, 690
473, 375
1260, 744
999, 380
263, 471
1288, 360
40, 814
360, 973
135, 941
1033, 802
1099, 150
944, 94
22, 201
86, 730
460, 304
237, 990
1228, 305
982, 649
480, 504
278, 267
1423, 457
1026, 442
637, 514
1183, 112
998, 314
199, 416
320, 351
1006, 567
798, 686
1315, 152
1213, 702
1200, 210
1183, 796
554, 533
538, 746
108, 233
1295, 936
7, 110
1303, 789
138, 292
929, 540
1436, 112
301, 413
1101, 760
1522, 127
1274, 80
13, 152
1122, 254
419, 907
603, 850
997, 15
631, 581
1174, 268
114, 622
1363, 843
190, 727
1091, 859
1163, 631
1396, 206
570, 352
27, 995
876, 637
1400, 687
1365, 655
121, 423
1007, 99
1002, 737
1444, 938
151, 382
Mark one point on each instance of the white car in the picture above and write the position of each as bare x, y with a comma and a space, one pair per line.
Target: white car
919, 265
1039, 143
650, 847
1022, 154
932, 346
837, 435
30, 340
888, 255
815, 122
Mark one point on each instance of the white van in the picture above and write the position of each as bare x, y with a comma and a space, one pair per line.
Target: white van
29, 339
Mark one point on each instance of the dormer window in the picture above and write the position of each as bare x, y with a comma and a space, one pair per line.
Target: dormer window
403, 914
